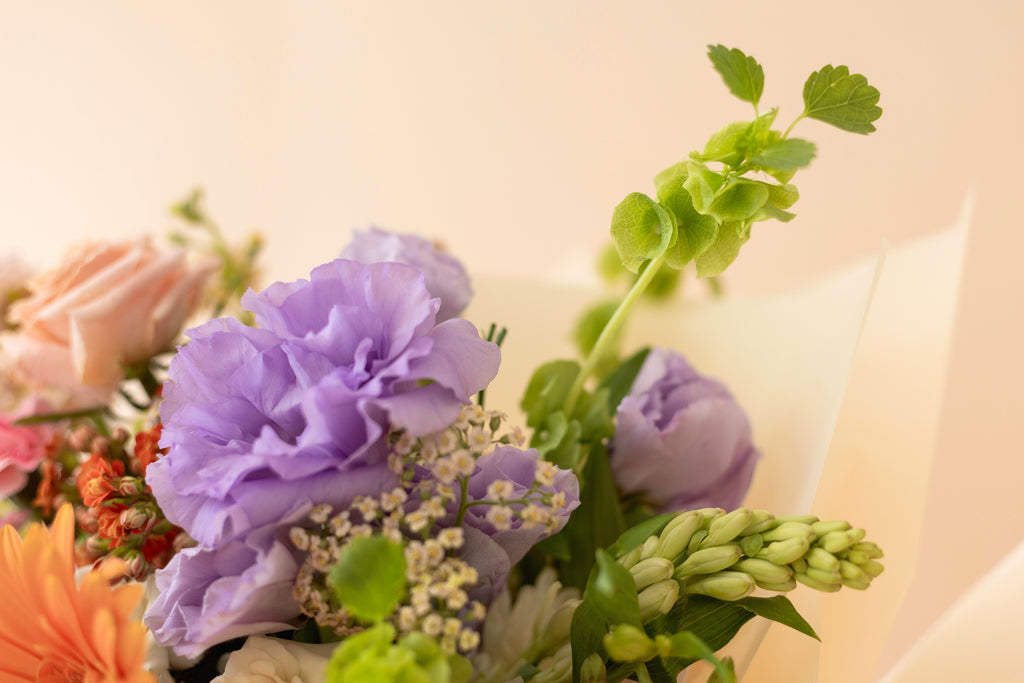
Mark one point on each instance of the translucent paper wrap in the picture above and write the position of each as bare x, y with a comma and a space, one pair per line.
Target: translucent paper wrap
843, 381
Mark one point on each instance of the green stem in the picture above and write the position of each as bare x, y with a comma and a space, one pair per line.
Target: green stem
642, 675
607, 338
795, 121
463, 505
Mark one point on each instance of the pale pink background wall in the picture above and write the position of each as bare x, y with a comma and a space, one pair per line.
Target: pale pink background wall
511, 129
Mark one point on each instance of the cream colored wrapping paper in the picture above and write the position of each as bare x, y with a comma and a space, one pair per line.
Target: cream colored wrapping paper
847, 431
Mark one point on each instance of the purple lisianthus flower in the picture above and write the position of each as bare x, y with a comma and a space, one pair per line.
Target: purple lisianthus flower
445, 276
264, 422
493, 551
681, 440
211, 596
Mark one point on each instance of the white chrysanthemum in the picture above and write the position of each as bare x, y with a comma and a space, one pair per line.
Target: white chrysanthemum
270, 660
534, 626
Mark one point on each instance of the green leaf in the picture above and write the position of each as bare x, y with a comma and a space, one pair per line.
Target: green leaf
759, 134
780, 609
620, 381
558, 440
594, 416
586, 635
780, 197
639, 533
369, 578
722, 252
742, 74
592, 323
678, 169
596, 523
786, 155
612, 591
713, 621
723, 144
695, 232
641, 230
738, 200
841, 99
702, 183
686, 645
664, 283
547, 390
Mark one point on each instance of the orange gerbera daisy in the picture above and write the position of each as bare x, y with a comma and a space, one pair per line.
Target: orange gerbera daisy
54, 630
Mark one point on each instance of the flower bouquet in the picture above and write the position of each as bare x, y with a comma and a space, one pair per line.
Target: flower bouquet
315, 486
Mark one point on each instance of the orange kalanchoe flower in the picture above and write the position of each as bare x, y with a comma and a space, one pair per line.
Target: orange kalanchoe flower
53, 629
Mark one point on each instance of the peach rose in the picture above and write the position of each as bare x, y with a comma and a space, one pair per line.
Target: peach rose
105, 305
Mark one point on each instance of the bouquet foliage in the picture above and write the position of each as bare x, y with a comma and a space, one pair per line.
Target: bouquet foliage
314, 487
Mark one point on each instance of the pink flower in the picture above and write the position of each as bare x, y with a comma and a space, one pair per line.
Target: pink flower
105, 305
22, 448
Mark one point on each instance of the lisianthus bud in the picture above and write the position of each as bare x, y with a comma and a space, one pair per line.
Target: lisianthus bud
681, 440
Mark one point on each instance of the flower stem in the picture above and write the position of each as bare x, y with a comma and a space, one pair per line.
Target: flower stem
607, 337
642, 675
463, 505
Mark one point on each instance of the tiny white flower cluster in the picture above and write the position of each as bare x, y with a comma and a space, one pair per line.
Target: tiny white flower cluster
434, 472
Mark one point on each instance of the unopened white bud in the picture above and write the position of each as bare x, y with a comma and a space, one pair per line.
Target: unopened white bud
651, 570
709, 560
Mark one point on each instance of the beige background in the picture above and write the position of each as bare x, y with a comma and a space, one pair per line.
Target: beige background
511, 129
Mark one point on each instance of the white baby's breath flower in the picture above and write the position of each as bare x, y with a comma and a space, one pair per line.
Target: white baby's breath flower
463, 461
271, 660
500, 489
501, 517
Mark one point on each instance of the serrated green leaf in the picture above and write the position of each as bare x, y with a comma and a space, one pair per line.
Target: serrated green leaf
695, 231
547, 390
702, 183
586, 636
742, 74
839, 98
780, 609
612, 591
786, 155
722, 252
369, 578
738, 200
641, 229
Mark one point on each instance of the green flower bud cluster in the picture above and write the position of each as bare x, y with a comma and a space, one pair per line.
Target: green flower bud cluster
372, 656
727, 555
